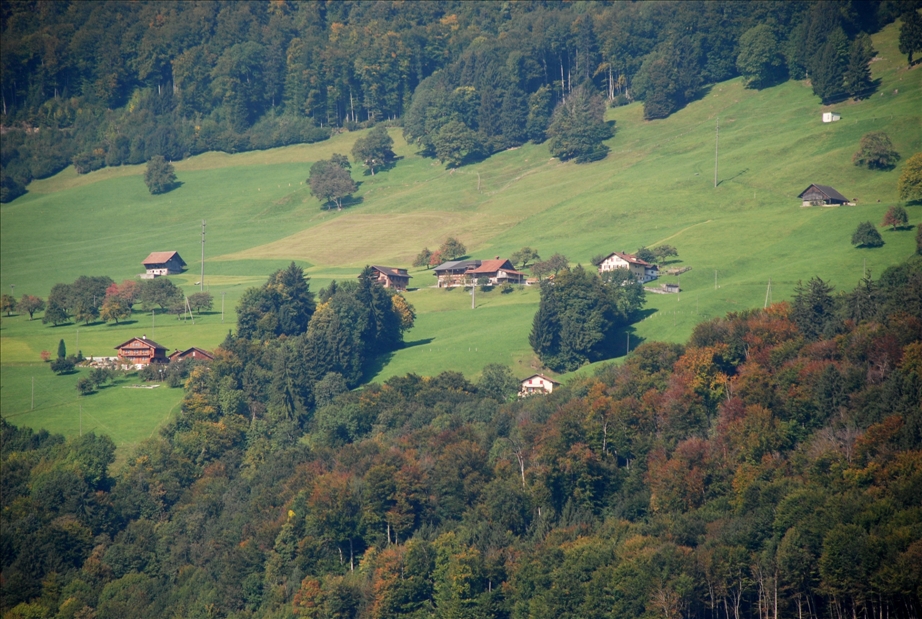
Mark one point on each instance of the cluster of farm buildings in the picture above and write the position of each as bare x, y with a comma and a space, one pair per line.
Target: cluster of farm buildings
495, 272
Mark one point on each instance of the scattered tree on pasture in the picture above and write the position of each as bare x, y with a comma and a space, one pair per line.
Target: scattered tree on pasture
523, 257
455, 142
452, 249
159, 175
645, 254
910, 183
29, 304
435, 259
330, 180
374, 149
422, 258
160, 291
62, 349
114, 308
664, 251
7, 303
201, 302
58, 306
63, 365
85, 385
45, 356
866, 235
895, 217
876, 152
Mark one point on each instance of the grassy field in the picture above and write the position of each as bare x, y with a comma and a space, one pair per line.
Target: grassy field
656, 186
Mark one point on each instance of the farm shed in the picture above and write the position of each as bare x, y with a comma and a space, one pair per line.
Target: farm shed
821, 195
162, 263
830, 117
141, 351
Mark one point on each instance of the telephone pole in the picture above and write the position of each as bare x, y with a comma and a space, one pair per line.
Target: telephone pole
716, 143
768, 294
202, 279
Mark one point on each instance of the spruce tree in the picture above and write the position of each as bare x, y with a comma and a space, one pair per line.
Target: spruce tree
62, 349
857, 78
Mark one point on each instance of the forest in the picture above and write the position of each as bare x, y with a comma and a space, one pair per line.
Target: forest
769, 467
94, 84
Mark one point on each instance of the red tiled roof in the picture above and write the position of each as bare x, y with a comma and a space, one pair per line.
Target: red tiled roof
150, 343
160, 257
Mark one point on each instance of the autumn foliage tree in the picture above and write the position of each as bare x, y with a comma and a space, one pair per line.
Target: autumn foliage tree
895, 217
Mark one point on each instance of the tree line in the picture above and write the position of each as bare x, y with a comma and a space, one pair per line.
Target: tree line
769, 466
98, 84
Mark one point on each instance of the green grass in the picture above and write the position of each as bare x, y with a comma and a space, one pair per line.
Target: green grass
655, 187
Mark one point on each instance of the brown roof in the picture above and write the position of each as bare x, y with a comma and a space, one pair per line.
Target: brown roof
161, 257
144, 339
391, 272
630, 258
189, 350
827, 191
492, 266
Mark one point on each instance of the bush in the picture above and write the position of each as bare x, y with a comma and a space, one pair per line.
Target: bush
866, 235
62, 365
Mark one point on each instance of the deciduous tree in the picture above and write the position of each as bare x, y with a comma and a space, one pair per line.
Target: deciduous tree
760, 61
201, 301
422, 258
7, 303
374, 149
911, 34
452, 249
30, 304
524, 256
876, 152
895, 217
910, 183
330, 181
159, 175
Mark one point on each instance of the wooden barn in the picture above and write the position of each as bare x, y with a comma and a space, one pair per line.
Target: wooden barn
821, 195
141, 351
162, 263
390, 277
191, 353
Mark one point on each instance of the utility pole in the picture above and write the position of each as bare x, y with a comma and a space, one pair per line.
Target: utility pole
31, 408
202, 279
628, 343
222, 305
152, 323
81, 419
715, 279
78, 339
768, 294
716, 143
473, 294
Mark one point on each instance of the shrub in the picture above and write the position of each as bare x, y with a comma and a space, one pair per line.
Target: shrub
866, 235
62, 365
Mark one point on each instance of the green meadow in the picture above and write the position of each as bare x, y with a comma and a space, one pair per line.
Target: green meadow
656, 186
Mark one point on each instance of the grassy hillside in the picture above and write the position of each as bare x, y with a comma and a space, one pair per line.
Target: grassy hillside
656, 186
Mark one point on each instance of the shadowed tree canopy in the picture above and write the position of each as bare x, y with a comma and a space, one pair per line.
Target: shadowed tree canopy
578, 127
374, 149
282, 306
760, 61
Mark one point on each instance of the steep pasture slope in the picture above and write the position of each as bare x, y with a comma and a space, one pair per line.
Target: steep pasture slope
656, 186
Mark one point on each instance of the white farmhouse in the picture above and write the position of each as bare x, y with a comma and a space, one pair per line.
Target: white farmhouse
537, 383
641, 270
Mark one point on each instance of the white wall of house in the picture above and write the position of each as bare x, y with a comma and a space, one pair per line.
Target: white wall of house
536, 384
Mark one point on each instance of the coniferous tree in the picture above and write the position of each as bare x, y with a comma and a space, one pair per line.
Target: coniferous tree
857, 76
866, 235
812, 307
827, 73
578, 127
911, 34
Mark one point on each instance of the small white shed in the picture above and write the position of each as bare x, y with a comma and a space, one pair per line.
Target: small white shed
830, 117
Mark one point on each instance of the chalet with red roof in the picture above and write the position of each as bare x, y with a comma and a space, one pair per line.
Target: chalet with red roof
191, 353
496, 272
641, 270
141, 351
537, 383
162, 263
389, 277
453, 272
